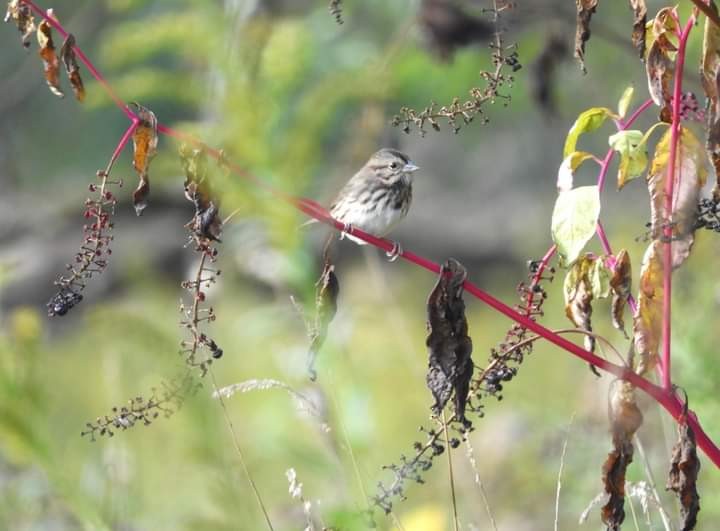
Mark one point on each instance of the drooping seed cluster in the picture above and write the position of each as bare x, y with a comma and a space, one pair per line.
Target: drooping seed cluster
95, 251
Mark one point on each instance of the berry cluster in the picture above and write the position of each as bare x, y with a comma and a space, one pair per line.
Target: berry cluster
95, 250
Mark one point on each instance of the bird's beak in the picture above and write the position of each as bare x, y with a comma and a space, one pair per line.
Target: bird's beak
410, 167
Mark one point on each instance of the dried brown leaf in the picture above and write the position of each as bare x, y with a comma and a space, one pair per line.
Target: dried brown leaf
660, 68
327, 289
585, 11
690, 175
22, 16
639, 24
450, 364
620, 284
145, 141
67, 55
647, 321
625, 419
579, 296
206, 223
710, 77
51, 63
682, 478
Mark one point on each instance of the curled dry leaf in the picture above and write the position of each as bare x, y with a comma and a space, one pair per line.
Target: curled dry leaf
625, 419
450, 366
710, 77
327, 289
620, 284
585, 11
588, 278
51, 63
682, 478
67, 55
145, 141
206, 223
22, 16
690, 176
639, 24
647, 321
660, 68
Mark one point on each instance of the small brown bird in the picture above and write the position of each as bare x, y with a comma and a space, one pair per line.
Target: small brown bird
378, 196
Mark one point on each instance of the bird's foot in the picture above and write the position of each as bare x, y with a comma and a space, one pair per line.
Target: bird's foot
395, 252
347, 227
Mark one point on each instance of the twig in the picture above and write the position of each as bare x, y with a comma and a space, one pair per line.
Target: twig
246, 470
560, 470
473, 464
708, 11
456, 523
651, 481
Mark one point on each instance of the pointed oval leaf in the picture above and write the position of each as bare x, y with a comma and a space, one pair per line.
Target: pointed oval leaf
625, 101
574, 220
690, 175
633, 155
587, 121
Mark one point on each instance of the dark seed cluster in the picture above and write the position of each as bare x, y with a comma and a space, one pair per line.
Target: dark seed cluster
708, 216
459, 113
95, 251
506, 358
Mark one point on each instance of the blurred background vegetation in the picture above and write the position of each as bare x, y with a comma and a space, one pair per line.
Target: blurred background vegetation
302, 102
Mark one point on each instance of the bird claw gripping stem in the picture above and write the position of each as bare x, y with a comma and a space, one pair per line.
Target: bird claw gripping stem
394, 253
347, 229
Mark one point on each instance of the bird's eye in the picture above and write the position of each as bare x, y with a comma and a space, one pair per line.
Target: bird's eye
393, 165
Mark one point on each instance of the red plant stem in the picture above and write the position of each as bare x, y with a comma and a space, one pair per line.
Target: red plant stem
665, 397
669, 191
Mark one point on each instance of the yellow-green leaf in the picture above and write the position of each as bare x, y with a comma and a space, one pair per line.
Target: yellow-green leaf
574, 220
647, 322
599, 277
633, 155
588, 120
625, 100
566, 172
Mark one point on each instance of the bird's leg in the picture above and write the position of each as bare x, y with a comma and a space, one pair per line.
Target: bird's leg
395, 252
347, 227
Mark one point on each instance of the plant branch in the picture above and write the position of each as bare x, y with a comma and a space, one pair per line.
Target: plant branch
664, 396
669, 190
708, 11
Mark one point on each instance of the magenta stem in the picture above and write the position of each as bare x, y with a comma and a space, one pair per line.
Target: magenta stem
669, 192
664, 397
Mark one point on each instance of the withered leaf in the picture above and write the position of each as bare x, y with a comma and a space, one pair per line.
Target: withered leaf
450, 365
625, 419
67, 54
327, 289
22, 16
51, 63
660, 69
638, 35
206, 222
710, 77
682, 478
647, 321
145, 141
620, 283
586, 279
585, 11
690, 175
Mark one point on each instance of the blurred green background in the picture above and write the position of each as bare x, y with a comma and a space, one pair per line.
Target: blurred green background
302, 102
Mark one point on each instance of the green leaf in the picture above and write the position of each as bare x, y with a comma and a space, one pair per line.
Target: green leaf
587, 121
567, 169
599, 276
634, 158
574, 220
625, 101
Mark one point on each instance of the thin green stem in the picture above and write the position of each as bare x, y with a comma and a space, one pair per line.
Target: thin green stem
456, 522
